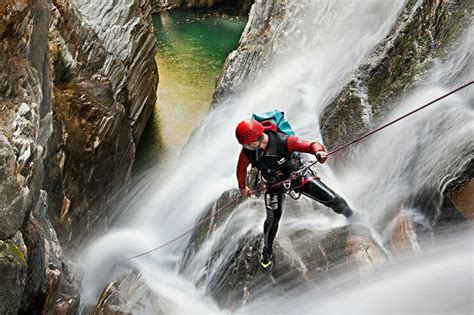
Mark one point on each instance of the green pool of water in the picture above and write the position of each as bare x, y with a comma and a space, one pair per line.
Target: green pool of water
192, 47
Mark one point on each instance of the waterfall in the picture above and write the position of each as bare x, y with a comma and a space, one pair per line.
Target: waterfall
311, 62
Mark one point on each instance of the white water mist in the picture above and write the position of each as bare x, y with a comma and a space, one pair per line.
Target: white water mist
300, 80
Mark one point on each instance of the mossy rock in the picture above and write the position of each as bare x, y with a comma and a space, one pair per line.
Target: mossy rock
9, 249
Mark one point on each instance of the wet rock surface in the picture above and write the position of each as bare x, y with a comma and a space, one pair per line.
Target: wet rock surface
254, 51
209, 222
233, 278
318, 258
424, 30
403, 235
12, 276
105, 83
105, 79
25, 124
463, 199
128, 295
51, 284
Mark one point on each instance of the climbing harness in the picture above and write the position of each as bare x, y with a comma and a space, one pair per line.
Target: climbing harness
287, 182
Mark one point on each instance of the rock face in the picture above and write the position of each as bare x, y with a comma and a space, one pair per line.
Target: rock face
105, 81
407, 51
25, 124
102, 73
25, 108
403, 235
463, 199
129, 295
265, 18
13, 276
314, 256
50, 285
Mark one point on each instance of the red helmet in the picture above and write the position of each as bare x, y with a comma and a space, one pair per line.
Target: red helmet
248, 130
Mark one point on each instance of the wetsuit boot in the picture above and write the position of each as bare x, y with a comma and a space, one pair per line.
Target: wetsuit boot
266, 261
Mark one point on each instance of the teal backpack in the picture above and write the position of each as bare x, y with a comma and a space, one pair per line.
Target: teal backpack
278, 118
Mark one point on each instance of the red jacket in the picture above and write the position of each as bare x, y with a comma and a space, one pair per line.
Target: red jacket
294, 144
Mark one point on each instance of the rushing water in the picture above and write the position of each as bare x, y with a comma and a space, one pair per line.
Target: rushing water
388, 168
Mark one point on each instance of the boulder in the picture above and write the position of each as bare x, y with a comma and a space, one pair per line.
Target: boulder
310, 256
128, 295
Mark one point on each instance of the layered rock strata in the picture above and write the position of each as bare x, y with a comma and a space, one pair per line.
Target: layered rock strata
105, 82
34, 276
255, 48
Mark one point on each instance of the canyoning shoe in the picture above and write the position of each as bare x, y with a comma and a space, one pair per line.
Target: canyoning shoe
266, 261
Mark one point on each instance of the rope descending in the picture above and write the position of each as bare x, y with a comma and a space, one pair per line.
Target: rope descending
298, 173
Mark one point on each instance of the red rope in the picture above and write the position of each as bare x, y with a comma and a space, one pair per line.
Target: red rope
387, 124
399, 118
306, 167
192, 229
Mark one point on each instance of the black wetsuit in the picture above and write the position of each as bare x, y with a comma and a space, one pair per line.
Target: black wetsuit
277, 163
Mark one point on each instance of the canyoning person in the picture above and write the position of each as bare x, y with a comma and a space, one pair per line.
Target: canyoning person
276, 156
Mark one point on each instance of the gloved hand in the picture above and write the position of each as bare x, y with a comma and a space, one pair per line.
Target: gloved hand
245, 191
321, 156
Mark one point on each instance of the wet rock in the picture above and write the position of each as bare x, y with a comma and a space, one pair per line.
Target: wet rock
255, 48
51, 285
128, 295
233, 275
12, 277
425, 217
392, 67
105, 89
14, 196
463, 199
403, 238
317, 258
209, 222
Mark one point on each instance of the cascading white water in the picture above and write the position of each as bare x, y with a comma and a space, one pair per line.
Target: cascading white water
422, 150
438, 283
302, 81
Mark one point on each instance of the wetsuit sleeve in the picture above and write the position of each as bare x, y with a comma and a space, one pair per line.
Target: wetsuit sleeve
301, 145
242, 169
